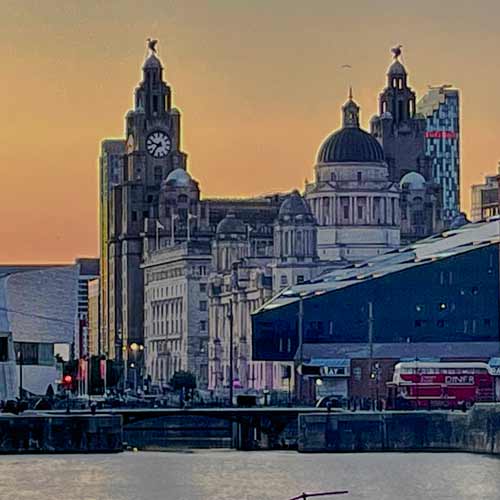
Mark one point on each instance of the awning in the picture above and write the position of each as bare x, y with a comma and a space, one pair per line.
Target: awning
331, 367
330, 362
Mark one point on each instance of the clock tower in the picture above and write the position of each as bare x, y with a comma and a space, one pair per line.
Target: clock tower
152, 129
151, 152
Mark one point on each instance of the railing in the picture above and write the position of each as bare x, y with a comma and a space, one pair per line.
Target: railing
304, 496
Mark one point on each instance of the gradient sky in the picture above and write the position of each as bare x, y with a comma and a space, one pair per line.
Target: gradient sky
258, 83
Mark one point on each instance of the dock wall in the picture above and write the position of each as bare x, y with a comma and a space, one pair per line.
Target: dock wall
41, 433
476, 431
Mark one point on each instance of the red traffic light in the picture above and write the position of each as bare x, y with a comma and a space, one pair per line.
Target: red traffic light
67, 380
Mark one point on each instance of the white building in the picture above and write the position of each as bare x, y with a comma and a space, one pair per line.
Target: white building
354, 202
39, 307
176, 312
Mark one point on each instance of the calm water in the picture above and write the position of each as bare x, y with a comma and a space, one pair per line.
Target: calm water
228, 475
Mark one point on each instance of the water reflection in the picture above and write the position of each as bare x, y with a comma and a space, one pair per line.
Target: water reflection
228, 475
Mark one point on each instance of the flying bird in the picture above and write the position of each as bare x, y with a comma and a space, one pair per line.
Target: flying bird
396, 51
152, 44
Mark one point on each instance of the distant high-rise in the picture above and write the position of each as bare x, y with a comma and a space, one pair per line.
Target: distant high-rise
441, 108
110, 175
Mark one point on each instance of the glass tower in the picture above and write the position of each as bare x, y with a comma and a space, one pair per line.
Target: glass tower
441, 109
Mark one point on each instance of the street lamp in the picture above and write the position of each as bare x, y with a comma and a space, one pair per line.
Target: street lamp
135, 348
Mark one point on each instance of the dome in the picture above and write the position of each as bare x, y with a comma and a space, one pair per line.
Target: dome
230, 224
178, 178
396, 69
152, 62
294, 205
414, 180
351, 144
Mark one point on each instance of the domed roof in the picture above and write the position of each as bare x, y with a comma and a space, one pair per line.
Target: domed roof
178, 178
414, 180
350, 144
396, 69
230, 224
152, 62
294, 205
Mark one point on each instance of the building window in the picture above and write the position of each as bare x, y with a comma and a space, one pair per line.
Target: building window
203, 305
134, 216
360, 212
487, 322
360, 176
346, 211
35, 353
4, 349
203, 326
300, 279
203, 287
284, 280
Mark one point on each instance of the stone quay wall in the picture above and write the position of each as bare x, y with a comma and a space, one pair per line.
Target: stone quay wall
173, 432
477, 431
42, 433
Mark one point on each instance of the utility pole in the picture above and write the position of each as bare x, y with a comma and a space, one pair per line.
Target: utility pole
231, 374
370, 344
20, 359
301, 346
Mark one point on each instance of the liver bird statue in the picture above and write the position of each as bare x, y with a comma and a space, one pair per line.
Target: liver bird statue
152, 45
396, 51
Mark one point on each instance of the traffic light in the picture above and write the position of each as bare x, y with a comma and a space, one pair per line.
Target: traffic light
67, 381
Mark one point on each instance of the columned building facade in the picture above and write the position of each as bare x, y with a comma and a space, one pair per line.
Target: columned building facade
354, 202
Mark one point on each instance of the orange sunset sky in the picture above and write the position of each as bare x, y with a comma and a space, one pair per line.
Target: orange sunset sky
259, 84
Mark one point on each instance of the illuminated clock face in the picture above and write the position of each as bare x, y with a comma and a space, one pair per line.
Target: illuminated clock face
158, 144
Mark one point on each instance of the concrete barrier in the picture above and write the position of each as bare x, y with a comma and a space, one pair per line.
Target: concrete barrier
41, 433
476, 431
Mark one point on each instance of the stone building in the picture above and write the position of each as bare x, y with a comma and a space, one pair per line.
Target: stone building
176, 312
420, 200
245, 277
152, 152
485, 198
175, 264
401, 132
353, 199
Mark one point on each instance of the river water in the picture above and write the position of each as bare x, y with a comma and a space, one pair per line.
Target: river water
230, 475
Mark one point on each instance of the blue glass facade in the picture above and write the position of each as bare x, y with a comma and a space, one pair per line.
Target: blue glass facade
441, 108
453, 299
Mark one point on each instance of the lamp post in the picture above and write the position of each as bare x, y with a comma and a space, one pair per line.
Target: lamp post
301, 346
20, 362
135, 348
231, 374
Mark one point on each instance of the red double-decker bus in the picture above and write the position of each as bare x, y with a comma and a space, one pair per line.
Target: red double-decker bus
417, 384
